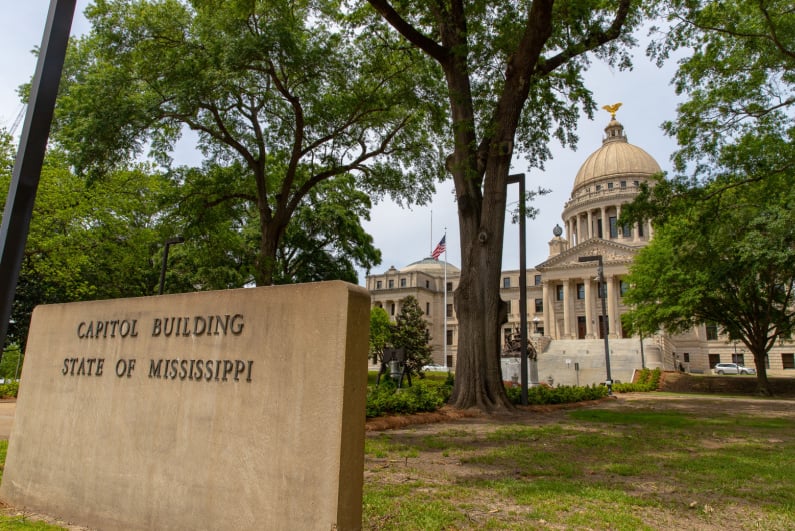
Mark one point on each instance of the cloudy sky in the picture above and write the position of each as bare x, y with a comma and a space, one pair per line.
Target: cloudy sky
408, 235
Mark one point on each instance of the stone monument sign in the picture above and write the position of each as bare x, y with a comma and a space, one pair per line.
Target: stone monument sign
239, 409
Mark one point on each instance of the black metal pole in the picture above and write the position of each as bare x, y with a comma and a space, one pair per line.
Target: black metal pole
30, 156
603, 295
519, 178
169, 243
605, 328
642, 357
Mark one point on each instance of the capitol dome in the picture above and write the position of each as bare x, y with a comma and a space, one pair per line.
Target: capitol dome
617, 157
430, 266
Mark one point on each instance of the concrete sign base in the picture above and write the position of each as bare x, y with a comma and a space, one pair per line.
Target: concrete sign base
240, 409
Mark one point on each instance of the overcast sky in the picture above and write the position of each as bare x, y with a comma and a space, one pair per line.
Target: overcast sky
408, 235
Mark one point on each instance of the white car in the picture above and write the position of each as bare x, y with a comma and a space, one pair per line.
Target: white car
732, 368
435, 368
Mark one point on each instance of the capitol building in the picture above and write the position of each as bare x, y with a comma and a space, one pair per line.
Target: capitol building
565, 299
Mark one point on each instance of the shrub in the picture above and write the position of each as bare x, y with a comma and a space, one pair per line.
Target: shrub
562, 394
9, 390
424, 395
648, 380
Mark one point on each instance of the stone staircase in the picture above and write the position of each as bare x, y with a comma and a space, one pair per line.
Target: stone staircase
582, 361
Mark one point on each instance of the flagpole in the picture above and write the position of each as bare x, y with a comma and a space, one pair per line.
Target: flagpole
430, 243
444, 336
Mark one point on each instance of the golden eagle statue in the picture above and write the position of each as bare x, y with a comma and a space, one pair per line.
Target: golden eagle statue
612, 109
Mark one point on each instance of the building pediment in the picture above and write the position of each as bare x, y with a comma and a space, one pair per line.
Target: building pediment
612, 253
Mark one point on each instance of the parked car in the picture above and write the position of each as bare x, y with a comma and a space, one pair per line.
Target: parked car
732, 368
435, 368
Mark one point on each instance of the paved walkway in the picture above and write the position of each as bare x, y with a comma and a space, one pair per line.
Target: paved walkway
7, 410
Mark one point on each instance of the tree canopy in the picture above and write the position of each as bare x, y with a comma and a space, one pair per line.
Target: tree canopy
411, 334
89, 242
380, 333
739, 79
513, 76
727, 260
283, 96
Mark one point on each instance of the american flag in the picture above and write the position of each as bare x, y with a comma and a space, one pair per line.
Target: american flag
439, 248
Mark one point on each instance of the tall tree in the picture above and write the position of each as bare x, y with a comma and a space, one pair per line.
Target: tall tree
285, 93
380, 333
513, 79
411, 334
726, 259
737, 76
325, 238
89, 242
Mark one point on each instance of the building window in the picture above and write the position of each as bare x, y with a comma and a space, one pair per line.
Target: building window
392, 309
626, 230
636, 184
427, 284
559, 291
598, 187
788, 361
449, 286
738, 358
506, 282
539, 305
449, 310
686, 357
640, 229
613, 227
581, 291
623, 184
712, 332
538, 280
402, 282
391, 284
508, 305
427, 308
378, 284
609, 186
623, 287
449, 337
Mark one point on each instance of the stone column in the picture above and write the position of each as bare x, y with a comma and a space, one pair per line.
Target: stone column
548, 309
589, 303
612, 307
566, 310
570, 231
605, 225
590, 224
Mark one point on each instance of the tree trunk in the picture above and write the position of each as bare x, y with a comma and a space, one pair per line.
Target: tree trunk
762, 383
479, 307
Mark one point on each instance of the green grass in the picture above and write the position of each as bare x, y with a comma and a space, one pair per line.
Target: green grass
618, 469
639, 468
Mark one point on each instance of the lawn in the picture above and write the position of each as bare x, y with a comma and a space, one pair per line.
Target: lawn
639, 461
657, 462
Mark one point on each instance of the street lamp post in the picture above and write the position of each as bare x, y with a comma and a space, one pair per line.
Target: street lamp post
169, 242
601, 276
513, 179
30, 155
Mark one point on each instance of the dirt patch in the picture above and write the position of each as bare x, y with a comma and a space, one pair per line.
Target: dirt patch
445, 457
